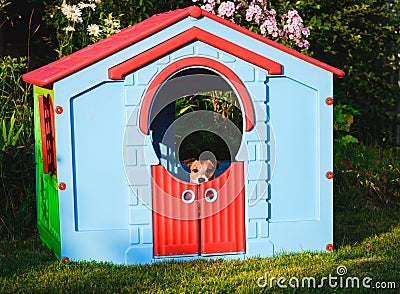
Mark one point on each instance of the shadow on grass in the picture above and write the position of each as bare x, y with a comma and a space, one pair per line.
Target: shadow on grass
352, 226
21, 255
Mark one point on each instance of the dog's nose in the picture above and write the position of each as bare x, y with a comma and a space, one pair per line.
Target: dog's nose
202, 180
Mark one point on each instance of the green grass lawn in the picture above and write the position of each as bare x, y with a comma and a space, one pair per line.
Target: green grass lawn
368, 246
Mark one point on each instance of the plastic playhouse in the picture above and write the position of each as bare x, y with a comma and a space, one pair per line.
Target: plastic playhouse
108, 187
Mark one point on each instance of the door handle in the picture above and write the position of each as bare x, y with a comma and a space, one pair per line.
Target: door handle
211, 195
188, 196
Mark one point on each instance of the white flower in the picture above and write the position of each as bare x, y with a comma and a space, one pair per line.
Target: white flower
69, 29
76, 18
94, 30
111, 21
108, 21
65, 9
82, 5
72, 12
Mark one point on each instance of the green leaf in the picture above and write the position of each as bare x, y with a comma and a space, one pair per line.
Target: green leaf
11, 130
184, 109
4, 132
17, 136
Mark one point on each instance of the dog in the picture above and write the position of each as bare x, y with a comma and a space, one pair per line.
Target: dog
201, 170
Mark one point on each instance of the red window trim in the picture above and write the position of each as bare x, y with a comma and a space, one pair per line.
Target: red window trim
47, 134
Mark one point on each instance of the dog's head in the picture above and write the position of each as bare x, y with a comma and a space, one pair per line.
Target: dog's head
201, 170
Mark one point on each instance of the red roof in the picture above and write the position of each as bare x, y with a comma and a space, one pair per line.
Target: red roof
47, 75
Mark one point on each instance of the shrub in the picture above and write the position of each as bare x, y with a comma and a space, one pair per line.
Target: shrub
74, 24
17, 192
78, 24
16, 106
3, 5
226, 108
362, 38
343, 118
260, 16
366, 174
16, 149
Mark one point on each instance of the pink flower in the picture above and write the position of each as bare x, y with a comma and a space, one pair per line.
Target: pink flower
305, 32
254, 11
289, 29
292, 13
270, 26
226, 9
208, 7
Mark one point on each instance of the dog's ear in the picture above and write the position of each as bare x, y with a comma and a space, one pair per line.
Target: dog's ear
218, 163
189, 161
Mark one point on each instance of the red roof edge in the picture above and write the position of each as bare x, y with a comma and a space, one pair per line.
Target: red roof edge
119, 71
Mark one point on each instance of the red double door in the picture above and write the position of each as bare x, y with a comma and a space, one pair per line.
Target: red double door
203, 219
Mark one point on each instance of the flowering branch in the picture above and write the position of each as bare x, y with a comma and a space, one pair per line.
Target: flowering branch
260, 19
80, 24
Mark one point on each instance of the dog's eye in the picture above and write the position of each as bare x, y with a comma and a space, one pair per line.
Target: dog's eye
195, 170
210, 171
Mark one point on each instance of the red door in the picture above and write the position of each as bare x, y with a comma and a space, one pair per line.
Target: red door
175, 215
222, 212
191, 219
